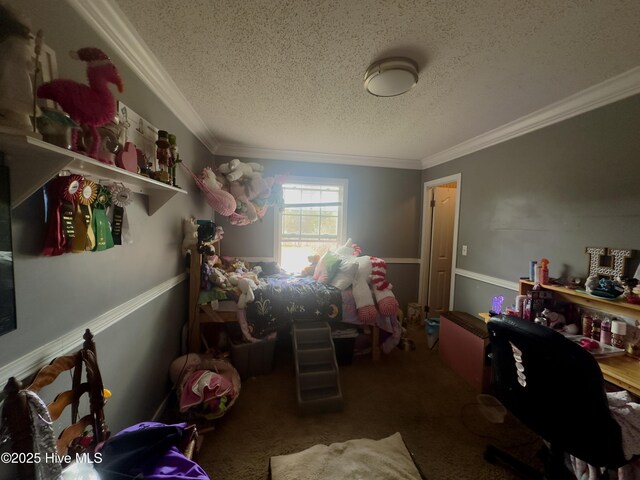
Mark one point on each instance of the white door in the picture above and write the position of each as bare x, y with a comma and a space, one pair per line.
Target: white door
443, 209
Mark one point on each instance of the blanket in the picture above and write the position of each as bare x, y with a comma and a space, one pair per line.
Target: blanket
361, 459
282, 299
627, 413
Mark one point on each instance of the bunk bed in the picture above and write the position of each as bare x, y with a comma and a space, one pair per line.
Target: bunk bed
280, 300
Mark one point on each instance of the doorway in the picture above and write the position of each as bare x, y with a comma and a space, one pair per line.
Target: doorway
440, 213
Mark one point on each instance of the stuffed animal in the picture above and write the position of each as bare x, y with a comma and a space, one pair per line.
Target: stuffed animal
591, 283
246, 287
252, 195
309, 269
370, 269
235, 169
207, 275
211, 275
190, 230
221, 200
90, 105
555, 320
220, 278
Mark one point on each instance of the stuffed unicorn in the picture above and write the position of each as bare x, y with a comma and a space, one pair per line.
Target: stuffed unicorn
374, 270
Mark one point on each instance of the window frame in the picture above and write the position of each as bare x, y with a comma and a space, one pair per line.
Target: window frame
343, 183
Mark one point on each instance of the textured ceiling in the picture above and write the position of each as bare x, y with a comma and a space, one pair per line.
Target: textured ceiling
288, 74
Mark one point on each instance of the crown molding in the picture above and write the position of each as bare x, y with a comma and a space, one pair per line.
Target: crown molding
231, 150
110, 23
599, 95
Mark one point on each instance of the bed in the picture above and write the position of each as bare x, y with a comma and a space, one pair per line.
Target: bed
280, 300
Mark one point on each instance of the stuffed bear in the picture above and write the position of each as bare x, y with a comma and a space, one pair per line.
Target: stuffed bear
207, 274
235, 169
370, 269
309, 269
246, 287
190, 230
210, 274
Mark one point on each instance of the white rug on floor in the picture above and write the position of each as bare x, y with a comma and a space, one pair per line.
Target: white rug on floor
361, 459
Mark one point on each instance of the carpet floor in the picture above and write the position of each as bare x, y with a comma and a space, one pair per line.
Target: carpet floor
410, 392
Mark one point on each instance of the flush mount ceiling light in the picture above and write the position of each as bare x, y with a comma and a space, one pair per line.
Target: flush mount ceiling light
391, 76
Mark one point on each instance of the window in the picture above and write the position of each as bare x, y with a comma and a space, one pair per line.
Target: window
313, 220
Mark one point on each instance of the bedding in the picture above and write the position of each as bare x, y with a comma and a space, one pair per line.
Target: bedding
282, 298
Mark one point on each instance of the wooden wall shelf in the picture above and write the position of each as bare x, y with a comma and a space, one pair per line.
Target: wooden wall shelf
617, 306
623, 370
32, 163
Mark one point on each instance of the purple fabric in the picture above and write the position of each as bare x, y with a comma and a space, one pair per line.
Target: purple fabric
144, 452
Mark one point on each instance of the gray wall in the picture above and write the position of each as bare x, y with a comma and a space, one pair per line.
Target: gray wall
59, 294
549, 193
384, 208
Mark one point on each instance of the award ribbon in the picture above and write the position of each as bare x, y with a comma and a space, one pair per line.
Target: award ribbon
63, 193
100, 223
121, 196
85, 238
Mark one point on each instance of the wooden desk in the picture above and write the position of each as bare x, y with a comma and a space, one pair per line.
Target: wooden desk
623, 370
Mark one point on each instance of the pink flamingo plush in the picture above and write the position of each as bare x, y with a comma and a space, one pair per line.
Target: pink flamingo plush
92, 105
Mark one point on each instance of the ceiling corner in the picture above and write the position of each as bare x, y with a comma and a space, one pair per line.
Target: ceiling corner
611, 90
233, 150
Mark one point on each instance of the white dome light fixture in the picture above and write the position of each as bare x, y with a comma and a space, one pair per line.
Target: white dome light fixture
391, 76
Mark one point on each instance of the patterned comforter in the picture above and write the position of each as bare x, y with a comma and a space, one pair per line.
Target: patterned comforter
286, 298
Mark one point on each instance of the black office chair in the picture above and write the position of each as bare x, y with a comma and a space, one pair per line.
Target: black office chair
555, 387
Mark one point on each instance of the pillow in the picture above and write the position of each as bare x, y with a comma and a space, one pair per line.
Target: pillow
347, 270
326, 267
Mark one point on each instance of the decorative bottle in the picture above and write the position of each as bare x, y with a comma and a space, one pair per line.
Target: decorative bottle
544, 271
618, 333
587, 325
605, 332
595, 332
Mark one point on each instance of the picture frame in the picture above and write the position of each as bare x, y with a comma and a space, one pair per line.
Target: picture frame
141, 133
8, 317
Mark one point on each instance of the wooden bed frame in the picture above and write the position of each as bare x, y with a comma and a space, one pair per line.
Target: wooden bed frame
203, 314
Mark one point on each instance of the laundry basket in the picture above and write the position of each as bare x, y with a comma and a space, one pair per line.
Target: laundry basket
207, 387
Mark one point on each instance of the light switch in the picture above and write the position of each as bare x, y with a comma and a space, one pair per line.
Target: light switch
464, 250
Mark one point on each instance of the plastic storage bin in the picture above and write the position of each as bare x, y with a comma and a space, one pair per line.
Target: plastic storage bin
344, 341
253, 359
